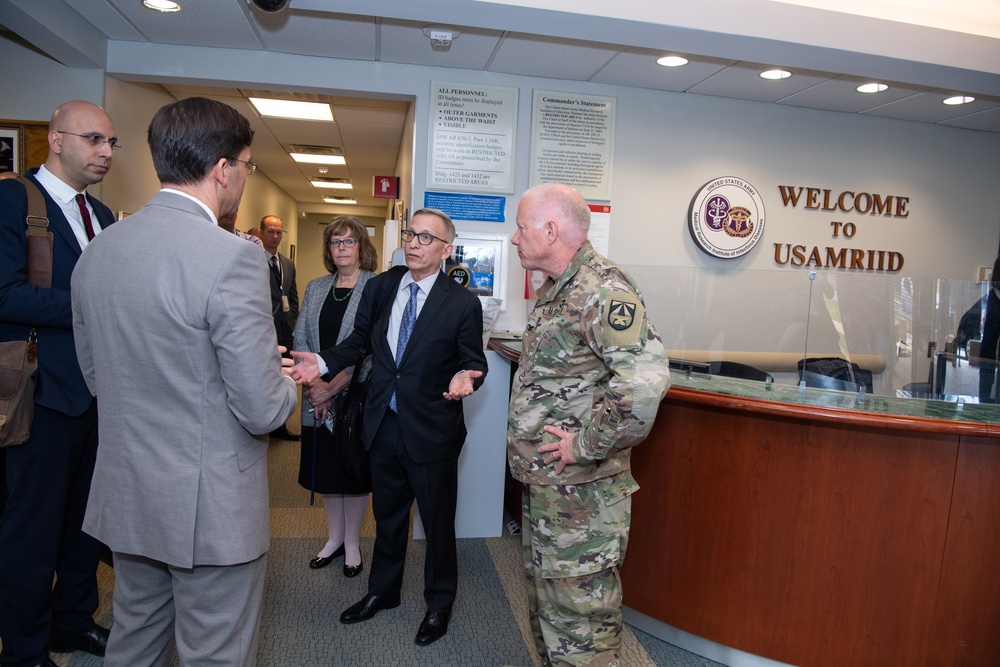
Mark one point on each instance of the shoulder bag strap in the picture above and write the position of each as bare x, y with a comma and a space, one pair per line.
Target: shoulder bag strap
38, 238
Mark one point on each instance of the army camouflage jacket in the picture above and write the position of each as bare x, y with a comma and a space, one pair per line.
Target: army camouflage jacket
593, 365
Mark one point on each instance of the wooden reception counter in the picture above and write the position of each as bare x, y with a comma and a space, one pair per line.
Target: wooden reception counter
820, 529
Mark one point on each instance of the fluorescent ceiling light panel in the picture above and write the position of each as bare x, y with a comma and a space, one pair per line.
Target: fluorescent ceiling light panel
292, 109
336, 185
316, 158
337, 200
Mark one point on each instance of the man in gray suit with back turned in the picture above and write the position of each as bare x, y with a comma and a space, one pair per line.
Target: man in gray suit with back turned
175, 338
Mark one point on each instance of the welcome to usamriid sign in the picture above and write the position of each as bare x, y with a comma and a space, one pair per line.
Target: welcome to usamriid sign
727, 219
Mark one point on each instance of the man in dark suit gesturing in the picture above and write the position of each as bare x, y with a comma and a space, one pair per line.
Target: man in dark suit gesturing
427, 354
49, 475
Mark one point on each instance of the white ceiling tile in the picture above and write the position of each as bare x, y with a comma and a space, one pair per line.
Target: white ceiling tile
637, 67
841, 94
743, 81
327, 35
551, 57
405, 42
928, 108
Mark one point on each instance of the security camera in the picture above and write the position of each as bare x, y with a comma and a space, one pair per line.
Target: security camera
270, 5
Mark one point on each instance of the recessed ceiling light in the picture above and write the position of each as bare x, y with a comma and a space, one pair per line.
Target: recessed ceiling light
872, 88
959, 99
165, 6
775, 74
339, 200
292, 109
672, 61
314, 158
335, 185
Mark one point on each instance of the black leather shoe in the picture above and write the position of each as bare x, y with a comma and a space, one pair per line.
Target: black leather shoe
322, 561
433, 627
368, 607
351, 571
94, 641
48, 662
284, 434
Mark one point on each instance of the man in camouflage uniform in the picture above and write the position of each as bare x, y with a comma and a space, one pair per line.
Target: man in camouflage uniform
592, 374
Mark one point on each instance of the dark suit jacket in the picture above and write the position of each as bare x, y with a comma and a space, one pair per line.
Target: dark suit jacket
447, 338
59, 384
284, 323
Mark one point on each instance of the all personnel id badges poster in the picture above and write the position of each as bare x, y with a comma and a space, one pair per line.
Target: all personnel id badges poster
472, 132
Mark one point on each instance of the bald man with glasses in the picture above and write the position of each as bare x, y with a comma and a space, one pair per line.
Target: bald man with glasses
49, 475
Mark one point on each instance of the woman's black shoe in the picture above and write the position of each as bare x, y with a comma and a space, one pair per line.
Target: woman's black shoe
322, 561
353, 570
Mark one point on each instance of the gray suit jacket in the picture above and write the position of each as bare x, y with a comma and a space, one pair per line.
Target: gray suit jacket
174, 335
307, 327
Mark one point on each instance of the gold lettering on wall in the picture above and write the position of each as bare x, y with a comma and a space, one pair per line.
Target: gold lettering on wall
846, 201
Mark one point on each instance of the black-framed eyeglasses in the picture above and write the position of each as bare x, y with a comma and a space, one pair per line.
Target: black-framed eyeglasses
348, 243
96, 139
251, 167
423, 238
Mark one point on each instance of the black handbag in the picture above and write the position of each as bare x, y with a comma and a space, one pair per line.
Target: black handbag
348, 422
349, 419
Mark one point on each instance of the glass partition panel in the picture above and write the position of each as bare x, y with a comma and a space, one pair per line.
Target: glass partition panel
892, 338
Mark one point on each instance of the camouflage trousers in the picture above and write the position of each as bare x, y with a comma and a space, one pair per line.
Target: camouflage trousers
573, 540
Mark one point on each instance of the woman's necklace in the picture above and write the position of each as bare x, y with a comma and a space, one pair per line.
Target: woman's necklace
333, 293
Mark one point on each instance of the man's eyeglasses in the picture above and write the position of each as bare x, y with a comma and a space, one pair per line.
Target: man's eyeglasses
424, 238
251, 167
96, 139
348, 243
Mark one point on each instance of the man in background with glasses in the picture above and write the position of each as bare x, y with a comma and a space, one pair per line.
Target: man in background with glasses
174, 338
49, 475
427, 355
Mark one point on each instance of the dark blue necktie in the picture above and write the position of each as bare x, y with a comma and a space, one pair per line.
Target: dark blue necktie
405, 329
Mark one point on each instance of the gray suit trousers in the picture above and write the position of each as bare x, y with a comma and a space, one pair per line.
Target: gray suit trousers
209, 613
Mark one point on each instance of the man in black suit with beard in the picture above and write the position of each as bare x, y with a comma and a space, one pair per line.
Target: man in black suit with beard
414, 425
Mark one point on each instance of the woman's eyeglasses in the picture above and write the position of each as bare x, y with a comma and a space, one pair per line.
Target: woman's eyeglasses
348, 243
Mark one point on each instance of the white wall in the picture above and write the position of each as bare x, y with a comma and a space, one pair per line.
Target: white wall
132, 179
34, 85
667, 146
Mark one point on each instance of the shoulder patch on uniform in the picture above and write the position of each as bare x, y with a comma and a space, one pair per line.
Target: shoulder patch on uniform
624, 315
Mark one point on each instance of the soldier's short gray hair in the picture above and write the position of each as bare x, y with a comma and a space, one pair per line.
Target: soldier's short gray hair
563, 200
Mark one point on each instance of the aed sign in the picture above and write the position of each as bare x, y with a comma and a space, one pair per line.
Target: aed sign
460, 275
727, 217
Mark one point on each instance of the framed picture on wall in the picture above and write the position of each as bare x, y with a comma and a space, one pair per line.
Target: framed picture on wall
11, 149
484, 256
